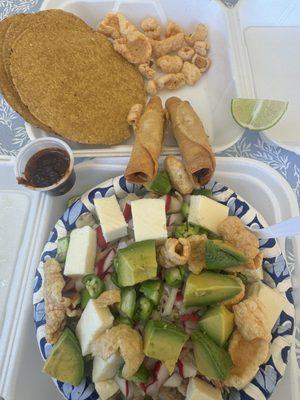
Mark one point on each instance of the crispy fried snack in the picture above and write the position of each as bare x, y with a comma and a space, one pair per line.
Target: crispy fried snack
201, 48
135, 114
168, 45
169, 64
196, 261
143, 163
199, 34
173, 28
110, 26
151, 28
147, 70
174, 252
126, 340
197, 155
171, 81
186, 53
203, 63
178, 175
109, 297
246, 357
134, 47
234, 231
191, 73
55, 304
251, 320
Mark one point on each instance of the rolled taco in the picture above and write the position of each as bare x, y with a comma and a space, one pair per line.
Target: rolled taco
149, 134
197, 154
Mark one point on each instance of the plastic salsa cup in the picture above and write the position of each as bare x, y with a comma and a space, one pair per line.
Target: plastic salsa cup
64, 184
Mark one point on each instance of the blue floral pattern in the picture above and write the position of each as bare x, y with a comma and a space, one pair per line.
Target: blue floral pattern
276, 274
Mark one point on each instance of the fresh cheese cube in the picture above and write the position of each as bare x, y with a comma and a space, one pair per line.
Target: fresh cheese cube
81, 253
272, 300
149, 219
94, 320
106, 389
111, 219
106, 369
200, 390
206, 212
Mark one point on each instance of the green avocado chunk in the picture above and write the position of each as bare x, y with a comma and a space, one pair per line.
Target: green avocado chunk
221, 255
210, 288
136, 263
164, 341
161, 184
65, 362
212, 361
218, 323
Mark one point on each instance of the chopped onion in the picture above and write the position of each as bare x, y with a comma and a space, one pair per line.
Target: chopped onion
174, 380
168, 307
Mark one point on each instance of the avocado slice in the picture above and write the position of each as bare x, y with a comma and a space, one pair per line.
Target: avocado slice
164, 341
220, 255
136, 263
212, 361
65, 362
210, 288
218, 323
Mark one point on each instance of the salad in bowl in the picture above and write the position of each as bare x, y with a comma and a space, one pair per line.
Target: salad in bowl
149, 293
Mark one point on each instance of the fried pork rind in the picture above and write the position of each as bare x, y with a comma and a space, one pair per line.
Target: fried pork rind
173, 28
251, 320
246, 357
200, 34
151, 28
110, 26
109, 297
170, 64
135, 114
147, 70
126, 340
151, 87
55, 304
201, 48
186, 53
171, 81
174, 252
191, 73
178, 175
134, 47
203, 63
234, 231
196, 261
168, 45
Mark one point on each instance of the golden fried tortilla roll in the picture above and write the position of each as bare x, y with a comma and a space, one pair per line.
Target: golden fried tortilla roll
197, 155
143, 163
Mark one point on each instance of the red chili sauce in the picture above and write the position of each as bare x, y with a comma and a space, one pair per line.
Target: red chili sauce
45, 168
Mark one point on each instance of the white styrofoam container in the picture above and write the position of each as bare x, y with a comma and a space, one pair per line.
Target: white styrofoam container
20, 361
254, 53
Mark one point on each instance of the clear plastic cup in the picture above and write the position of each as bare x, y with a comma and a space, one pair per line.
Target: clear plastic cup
65, 183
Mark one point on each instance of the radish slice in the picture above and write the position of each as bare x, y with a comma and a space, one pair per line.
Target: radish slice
125, 387
161, 374
101, 242
174, 219
127, 212
174, 380
167, 199
104, 263
190, 317
186, 367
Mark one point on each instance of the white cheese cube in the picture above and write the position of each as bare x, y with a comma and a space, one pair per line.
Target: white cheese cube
111, 219
200, 390
81, 253
149, 219
206, 212
272, 300
106, 369
106, 389
93, 321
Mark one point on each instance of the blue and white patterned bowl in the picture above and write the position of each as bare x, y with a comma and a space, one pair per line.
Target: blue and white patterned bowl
276, 274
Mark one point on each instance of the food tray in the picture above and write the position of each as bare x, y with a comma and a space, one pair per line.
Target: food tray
276, 201
253, 52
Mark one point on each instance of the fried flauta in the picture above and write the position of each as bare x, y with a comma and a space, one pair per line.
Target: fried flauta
149, 134
190, 135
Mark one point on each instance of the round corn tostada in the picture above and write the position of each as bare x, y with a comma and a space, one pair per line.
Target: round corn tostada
74, 82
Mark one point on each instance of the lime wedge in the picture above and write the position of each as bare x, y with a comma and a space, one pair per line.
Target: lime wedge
257, 115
